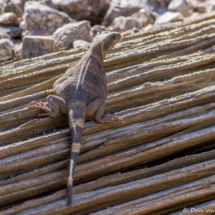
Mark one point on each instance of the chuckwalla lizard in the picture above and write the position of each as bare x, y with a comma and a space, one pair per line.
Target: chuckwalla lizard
82, 92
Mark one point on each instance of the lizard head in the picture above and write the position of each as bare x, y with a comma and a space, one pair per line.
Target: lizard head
107, 40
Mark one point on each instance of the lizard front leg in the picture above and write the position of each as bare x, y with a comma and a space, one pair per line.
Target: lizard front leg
98, 107
56, 105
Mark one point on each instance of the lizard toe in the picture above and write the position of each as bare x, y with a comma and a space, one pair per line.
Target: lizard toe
35, 103
43, 115
115, 118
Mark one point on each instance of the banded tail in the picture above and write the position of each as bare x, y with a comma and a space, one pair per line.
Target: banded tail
76, 118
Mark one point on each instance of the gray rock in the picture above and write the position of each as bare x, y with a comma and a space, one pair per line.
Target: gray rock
194, 15
14, 6
49, 3
21, 3
169, 17
9, 19
33, 46
198, 6
4, 36
2, 5
66, 35
126, 23
210, 6
180, 6
6, 47
143, 16
12, 31
97, 29
114, 28
39, 19
81, 44
130, 32
148, 28
17, 50
92, 10
128, 7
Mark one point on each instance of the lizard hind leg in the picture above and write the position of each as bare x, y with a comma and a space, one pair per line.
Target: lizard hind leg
98, 107
56, 105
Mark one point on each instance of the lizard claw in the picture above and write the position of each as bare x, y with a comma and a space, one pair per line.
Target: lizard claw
40, 104
111, 121
33, 107
112, 118
43, 107
35, 103
43, 114
116, 118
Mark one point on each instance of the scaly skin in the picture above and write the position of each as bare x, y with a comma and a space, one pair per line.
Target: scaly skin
82, 92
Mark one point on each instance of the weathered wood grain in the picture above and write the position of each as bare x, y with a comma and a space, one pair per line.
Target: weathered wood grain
160, 160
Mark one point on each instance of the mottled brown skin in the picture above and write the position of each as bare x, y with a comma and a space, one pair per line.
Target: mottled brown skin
82, 92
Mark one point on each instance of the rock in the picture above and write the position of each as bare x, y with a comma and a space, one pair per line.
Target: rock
97, 29
34, 46
14, 6
9, 19
194, 15
134, 30
130, 32
92, 10
114, 28
21, 3
128, 7
81, 44
6, 47
4, 36
180, 6
40, 19
67, 34
169, 17
198, 6
148, 27
126, 23
2, 5
17, 50
49, 3
143, 16
210, 6
10, 30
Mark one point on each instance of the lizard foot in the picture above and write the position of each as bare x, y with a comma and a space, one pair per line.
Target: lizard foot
42, 106
112, 118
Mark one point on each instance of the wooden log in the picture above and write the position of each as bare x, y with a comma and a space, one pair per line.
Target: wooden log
168, 107
172, 26
119, 178
189, 26
95, 200
137, 75
120, 139
173, 199
82, 169
135, 78
165, 106
115, 59
206, 208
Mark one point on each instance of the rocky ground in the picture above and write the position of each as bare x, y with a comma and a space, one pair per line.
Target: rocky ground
34, 28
